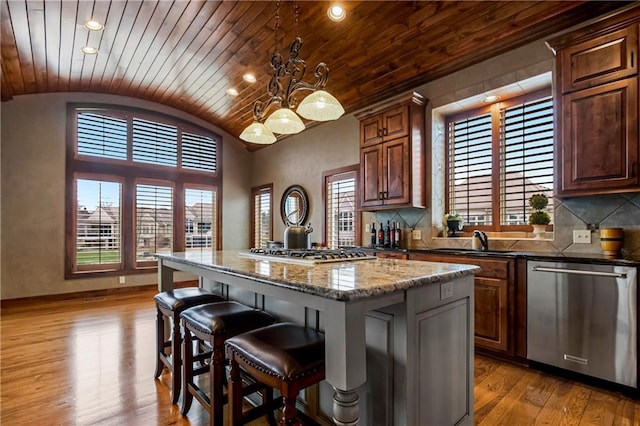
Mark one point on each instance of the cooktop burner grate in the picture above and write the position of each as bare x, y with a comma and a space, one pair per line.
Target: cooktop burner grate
308, 256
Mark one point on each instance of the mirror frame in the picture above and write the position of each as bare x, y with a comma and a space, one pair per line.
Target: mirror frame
298, 191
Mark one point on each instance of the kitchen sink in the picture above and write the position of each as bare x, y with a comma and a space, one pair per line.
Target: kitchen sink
468, 251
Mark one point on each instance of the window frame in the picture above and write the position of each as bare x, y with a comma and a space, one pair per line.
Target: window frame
255, 191
129, 173
496, 167
334, 174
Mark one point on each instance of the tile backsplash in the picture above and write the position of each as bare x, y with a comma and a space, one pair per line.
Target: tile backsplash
592, 212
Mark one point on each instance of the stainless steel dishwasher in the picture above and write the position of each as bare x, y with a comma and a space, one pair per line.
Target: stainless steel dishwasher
582, 317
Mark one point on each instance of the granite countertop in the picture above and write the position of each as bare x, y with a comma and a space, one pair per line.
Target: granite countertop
530, 255
339, 281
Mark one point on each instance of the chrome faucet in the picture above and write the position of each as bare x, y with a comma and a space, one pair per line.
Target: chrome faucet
480, 241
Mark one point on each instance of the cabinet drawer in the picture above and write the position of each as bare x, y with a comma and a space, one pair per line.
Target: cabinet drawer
389, 255
498, 269
601, 60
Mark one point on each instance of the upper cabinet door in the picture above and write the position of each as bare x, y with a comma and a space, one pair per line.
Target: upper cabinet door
395, 123
371, 131
600, 60
600, 139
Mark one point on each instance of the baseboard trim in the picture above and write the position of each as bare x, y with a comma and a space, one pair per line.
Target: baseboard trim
91, 294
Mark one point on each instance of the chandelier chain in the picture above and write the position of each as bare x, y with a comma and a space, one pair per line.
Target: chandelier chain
277, 23
295, 11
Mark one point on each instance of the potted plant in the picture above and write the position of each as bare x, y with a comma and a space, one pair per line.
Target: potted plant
539, 218
453, 222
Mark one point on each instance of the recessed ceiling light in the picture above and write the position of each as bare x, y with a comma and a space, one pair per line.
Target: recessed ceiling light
93, 25
491, 98
249, 78
89, 50
231, 91
336, 13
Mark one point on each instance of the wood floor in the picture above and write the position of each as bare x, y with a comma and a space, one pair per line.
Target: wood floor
91, 362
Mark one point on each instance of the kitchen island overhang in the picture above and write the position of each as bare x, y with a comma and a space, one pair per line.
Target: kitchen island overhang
345, 292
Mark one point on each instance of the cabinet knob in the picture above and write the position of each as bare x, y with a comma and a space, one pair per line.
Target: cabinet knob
384, 132
379, 132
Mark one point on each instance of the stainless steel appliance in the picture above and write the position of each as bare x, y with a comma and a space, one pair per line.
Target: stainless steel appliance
582, 317
307, 257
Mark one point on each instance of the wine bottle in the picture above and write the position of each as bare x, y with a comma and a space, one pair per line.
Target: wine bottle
374, 235
398, 236
381, 235
387, 233
392, 235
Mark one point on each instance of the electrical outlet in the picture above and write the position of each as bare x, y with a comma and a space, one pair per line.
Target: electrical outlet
581, 236
416, 234
121, 279
446, 290
367, 228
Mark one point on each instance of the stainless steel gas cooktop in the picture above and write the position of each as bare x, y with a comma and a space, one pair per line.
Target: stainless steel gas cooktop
307, 257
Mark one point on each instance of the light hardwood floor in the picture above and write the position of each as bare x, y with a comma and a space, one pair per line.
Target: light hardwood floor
91, 362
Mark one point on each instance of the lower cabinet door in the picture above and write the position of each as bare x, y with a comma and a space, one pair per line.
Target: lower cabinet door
491, 314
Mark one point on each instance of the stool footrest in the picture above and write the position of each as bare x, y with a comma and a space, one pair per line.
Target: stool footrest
262, 410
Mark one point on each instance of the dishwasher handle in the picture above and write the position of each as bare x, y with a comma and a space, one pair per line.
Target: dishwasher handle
581, 272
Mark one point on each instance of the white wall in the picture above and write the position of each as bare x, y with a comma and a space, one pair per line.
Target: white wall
32, 196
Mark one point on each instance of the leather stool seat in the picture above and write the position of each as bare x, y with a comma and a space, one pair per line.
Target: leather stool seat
214, 323
284, 356
171, 304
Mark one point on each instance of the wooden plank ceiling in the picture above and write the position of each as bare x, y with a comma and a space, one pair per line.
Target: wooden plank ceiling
186, 54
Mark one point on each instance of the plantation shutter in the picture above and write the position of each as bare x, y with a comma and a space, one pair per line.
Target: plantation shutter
198, 152
102, 135
200, 215
154, 220
155, 143
470, 169
526, 157
261, 218
98, 223
341, 210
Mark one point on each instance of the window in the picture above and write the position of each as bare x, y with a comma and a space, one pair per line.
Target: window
498, 157
138, 184
262, 208
199, 209
341, 223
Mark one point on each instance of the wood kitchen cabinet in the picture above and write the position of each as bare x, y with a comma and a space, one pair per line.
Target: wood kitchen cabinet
393, 154
495, 304
596, 98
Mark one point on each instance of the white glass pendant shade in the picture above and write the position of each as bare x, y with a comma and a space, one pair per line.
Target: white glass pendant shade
258, 133
285, 122
320, 106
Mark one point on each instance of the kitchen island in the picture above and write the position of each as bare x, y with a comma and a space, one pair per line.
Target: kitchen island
427, 308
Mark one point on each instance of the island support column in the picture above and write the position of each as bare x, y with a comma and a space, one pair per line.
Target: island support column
345, 350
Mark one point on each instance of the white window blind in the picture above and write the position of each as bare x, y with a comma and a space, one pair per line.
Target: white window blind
102, 135
200, 219
526, 157
262, 217
154, 220
470, 170
341, 209
523, 129
155, 143
198, 152
98, 222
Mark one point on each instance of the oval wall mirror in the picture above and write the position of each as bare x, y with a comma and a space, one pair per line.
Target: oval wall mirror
294, 206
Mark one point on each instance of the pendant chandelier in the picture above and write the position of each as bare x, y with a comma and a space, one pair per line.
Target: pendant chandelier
286, 82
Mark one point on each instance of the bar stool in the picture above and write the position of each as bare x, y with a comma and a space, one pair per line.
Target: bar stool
284, 356
214, 323
171, 304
